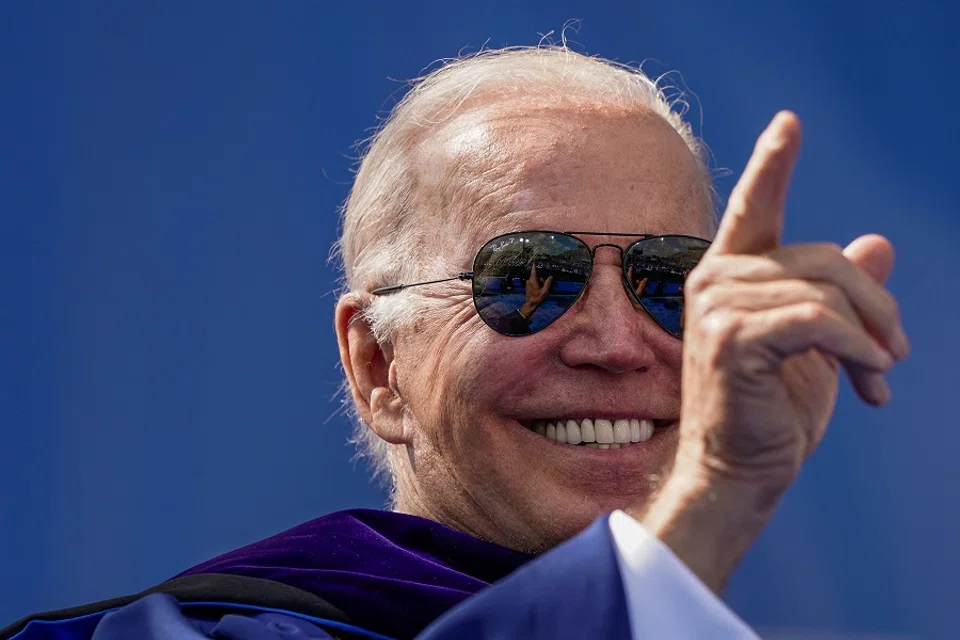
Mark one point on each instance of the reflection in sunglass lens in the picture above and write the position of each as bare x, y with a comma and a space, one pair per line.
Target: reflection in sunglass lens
655, 269
523, 282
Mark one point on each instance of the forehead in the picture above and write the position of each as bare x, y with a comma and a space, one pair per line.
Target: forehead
527, 164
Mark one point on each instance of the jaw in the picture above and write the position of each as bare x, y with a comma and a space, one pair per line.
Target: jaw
545, 492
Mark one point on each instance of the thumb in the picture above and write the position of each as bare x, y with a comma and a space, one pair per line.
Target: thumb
872, 253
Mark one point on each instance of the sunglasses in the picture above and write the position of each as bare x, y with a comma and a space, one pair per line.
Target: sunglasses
524, 281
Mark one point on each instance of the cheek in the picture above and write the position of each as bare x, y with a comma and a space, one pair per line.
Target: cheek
477, 373
670, 353
442, 363
467, 383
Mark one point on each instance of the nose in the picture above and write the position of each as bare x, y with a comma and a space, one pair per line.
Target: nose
607, 331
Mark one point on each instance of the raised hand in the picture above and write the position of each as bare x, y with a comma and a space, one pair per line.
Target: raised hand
766, 329
639, 286
536, 291
767, 326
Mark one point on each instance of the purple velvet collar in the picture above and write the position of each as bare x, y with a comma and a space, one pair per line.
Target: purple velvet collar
389, 572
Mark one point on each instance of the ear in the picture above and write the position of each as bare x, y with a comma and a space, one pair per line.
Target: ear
370, 371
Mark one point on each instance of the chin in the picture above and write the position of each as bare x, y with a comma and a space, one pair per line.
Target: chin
535, 493
550, 517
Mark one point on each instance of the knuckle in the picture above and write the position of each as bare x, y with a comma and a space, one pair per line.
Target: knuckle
832, 297
830, 249
739, 200
827, 256
707, 301
710, 271
723, 328
700, 279
812, 313
890, 308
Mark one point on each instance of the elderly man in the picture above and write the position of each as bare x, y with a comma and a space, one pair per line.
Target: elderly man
544, 327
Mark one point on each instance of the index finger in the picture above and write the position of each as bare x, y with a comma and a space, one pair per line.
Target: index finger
753, 221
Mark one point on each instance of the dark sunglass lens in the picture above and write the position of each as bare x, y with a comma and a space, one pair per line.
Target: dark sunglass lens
523, 282
655, 270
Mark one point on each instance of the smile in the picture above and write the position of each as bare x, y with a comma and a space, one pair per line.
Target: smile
595, 433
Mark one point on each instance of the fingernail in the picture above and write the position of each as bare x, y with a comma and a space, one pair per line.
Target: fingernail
900, 344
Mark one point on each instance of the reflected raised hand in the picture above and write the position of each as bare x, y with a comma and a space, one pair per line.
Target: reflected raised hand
536, 291
639, 286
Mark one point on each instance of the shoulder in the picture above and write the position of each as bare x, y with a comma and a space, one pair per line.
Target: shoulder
233, 606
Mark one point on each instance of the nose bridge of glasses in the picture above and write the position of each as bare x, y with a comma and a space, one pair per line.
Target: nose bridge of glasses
596, 247
632, 283
619, 262
608, 261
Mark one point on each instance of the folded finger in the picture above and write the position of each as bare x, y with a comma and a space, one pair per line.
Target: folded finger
760, 296
789, 330
874, 305
871, 386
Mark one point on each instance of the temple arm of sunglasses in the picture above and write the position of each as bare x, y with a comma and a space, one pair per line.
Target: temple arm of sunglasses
379, 291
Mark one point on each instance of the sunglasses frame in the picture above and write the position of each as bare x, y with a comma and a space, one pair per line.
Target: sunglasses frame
469, 275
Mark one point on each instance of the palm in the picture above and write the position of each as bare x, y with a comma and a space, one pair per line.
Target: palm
811, 382
798, 399
756, 411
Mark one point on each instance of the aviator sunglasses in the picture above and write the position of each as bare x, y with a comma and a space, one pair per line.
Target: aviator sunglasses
524, 281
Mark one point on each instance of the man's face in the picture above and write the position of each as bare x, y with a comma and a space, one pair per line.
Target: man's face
470, 393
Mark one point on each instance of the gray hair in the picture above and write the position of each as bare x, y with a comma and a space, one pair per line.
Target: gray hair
381, 240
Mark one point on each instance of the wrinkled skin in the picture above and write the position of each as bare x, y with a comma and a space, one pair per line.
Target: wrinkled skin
464, 388
766, 330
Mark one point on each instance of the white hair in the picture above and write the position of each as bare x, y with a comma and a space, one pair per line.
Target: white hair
381, 238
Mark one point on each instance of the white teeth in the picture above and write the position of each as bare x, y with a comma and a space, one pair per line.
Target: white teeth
621, 431
646, 430
608, 433
561, 433
604, 429
592, 445
587, 432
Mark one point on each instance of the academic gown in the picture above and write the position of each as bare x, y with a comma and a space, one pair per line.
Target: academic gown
365, 573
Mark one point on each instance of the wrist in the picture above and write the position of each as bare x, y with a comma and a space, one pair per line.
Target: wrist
708, 520
757, 486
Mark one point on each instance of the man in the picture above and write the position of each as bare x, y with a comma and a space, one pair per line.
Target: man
543, 328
